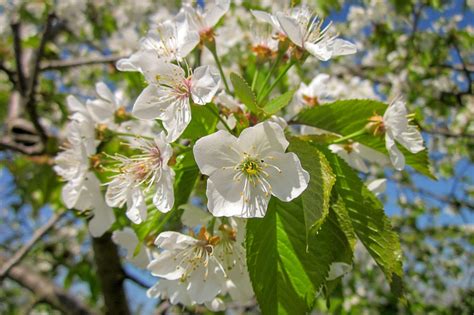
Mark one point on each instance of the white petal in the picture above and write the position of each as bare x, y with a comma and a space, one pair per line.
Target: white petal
266, 17
395, 118
136, 205
343, 47
225, 198
291, 28
377, 186
204, 84
204, 290
104, 92
174, 241
411, 139
290, 179
74, 106
216, 11
100, 110
396, 157
320, 50
153, 103
176, 118
166, 265
117, 191
216, 151
263, 138
138, 61
164, 196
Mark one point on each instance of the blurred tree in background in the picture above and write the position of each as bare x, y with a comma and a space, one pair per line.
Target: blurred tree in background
420, 49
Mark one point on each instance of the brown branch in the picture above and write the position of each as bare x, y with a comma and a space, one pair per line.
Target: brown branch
33, 81
17, 257
110, 274
46, 291
136, 280
62, 64
16, 30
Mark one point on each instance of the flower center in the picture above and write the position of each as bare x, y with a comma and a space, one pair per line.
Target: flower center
251, 167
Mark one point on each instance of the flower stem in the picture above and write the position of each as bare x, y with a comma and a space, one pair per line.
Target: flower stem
219, 66
269, 74
209, 107
352, 135
280, 76
255, 76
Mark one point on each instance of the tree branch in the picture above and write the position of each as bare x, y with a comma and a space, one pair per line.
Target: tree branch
16, 30
33, 80
110, 274
136, 280
62, 64
45, 290
16, 258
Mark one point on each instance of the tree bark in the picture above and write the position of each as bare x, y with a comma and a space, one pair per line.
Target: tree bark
111, 275
45, 290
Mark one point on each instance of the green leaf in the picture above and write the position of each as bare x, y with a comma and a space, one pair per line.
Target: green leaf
348, 116
315, 198
367, 216
203, 122
278, 103
286, 271
244, 92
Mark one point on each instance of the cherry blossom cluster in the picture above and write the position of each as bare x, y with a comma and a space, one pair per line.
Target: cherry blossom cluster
206, 260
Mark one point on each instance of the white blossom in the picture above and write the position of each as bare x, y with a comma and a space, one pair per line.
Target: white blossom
356, 155
244, 172
203, 20
305, 31
396, 127
82, 188
168, 94
140, 174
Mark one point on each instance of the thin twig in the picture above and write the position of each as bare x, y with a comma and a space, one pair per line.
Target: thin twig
16, 258
137, 280
62, 64
10, 73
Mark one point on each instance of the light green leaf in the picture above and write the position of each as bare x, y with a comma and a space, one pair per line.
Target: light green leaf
279, 102
348, 116
244, 92
203, 122
286, 271
315, 198
367, 216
